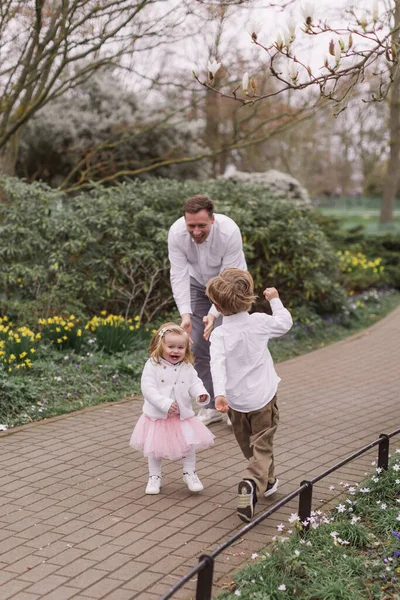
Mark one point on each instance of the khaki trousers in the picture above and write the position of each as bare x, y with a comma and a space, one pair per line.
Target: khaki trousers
254, 432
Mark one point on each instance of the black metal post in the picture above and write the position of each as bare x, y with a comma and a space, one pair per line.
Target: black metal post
205, 579
383, 452
305, 504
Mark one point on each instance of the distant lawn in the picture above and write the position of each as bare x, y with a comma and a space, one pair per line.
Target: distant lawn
359, 211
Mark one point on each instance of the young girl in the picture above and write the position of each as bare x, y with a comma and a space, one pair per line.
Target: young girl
168, 427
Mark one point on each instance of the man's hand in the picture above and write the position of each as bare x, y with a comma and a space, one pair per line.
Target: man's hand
221, 404
270, 293
173, 408
203, 398
208, 321
186, 324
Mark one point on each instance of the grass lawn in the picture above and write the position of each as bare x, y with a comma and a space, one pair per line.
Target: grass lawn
360, 211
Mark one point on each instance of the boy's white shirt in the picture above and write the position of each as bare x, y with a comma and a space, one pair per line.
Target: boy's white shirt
165, 383
241, 365
223, 248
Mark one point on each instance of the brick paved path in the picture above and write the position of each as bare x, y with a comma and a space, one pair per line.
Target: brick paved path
74, 519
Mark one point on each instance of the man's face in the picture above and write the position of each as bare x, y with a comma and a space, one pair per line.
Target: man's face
199, 225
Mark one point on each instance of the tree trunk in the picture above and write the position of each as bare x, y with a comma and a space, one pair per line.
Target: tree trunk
391, 182
9, 155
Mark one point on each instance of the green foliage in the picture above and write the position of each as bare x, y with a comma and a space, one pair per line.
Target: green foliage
108, 248
353, 553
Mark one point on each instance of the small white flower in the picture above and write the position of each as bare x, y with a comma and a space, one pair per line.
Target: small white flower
373, 463
58, 378
331, 487
379, 470
396, 467
66, 357
254, 555
364, 490
308, 543
374, 479
237, 593
354, 520
245, 83
293, 518
297, 552
341, 508
282, 587
397, 481
3, 427
383, 505
398, 518
334, 534
397, 450
280, 527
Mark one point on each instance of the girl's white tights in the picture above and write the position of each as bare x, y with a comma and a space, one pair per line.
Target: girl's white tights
189, 463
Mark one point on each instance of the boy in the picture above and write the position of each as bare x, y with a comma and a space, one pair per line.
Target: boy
244, 378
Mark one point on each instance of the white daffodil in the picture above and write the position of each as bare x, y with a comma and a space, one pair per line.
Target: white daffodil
213, 67
245, 83
307, 11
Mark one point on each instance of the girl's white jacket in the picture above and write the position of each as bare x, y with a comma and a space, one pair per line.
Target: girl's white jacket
163, 383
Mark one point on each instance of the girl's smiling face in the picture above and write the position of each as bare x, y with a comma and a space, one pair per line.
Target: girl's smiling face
174, 347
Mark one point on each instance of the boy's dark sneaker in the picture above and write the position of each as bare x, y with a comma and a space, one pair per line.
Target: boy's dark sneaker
271, 488
247, 499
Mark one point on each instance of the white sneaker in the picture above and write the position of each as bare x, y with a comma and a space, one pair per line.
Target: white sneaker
209, 415
153, 485
192, 481
271, 488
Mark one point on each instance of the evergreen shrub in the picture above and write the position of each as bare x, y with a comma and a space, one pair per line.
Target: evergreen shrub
107, 249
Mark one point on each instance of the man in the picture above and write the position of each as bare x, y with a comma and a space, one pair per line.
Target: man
201, 245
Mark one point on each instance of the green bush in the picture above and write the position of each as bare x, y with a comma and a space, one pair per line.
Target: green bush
107, 249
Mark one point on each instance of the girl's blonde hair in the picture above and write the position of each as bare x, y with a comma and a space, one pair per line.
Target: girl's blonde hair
157, 343
232, 291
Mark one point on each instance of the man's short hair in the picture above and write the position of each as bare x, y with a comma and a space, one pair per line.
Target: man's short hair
232, 291
196, 203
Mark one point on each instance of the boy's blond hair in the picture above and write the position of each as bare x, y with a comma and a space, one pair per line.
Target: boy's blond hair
157, 343
232, 291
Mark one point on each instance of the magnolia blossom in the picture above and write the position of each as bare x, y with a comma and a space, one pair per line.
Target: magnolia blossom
293, 71
279, 41
254, 28
338, 52
287, 38
213, 67
375, 11
245, 83
291, 25
307, 10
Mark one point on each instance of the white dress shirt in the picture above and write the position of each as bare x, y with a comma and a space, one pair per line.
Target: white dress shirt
163, 383
221, 249
241, 364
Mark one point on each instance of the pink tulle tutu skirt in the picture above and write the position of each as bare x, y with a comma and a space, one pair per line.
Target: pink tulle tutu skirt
170, 438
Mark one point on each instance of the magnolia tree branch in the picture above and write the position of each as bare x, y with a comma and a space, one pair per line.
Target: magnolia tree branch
367, 46
49, 48
292, 120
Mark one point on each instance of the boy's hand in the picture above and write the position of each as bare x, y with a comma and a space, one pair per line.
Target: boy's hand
203, 398
173, 408
221, 404
208, 321
270, 293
